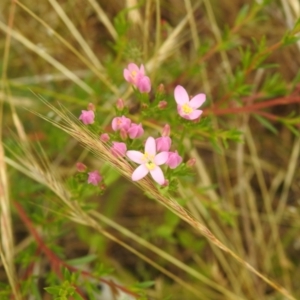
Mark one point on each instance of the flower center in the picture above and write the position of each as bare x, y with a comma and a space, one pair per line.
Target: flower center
133, 74
186, 109
150, 165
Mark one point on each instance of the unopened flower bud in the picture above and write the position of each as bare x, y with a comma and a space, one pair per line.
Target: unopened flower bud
118, 149
191, 162
174, 160
161, 89
123, 134
104, 137
87, 117
120, 104
166, 183
80, 167
94, 178
135, 131
166, 130
91, 106
162, 104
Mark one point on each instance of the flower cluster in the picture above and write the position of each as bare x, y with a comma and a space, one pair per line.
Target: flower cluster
94, 177
156, 154
157, 151
127, 128
136, 76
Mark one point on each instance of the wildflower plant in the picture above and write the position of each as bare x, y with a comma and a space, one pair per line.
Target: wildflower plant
171, 110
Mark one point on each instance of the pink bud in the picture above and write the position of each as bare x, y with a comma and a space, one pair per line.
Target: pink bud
120, 104
120, 122
80, 167
118, 149
162, 104
94, 177
163, 143
104, 137
161, 89
166, 183
87, 117
144, 84
191, 162
91, 106
123, 134
166, 130
174, 160
135, 131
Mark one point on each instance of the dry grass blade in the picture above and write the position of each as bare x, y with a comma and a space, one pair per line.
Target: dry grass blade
104, 19
91, 141
69, 74
86, 48
29, 166
90, 65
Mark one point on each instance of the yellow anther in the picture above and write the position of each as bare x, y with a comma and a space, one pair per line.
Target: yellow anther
150, 165
186, 108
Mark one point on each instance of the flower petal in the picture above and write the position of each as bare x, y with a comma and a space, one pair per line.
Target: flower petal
181, 113
158, 175
180, 94
127, 75
133, 67
135, 156
161, 158
150, 146
142, 70
195, 114
139, 173
197, 101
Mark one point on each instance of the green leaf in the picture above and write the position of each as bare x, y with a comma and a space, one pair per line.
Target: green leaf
82, 260
266, 123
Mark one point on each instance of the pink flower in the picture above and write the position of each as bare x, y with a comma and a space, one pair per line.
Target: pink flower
120, 104
163, 143
118, 149
135, 131
144, 84
166, 130
149, 162
104, 137
186, 108
120, 122
94, 178
191, 162
174, 160
87, 117
80, 167
91, 106
162, 104
133, 73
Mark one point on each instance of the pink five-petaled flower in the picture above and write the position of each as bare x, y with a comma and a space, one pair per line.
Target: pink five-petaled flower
149, 162
135, 131
120, 122
94, 177
118, 149
174, 160
135, 75
188, 109
163, 143
87, 117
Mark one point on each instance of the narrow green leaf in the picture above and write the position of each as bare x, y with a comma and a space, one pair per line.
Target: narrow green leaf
266, 123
